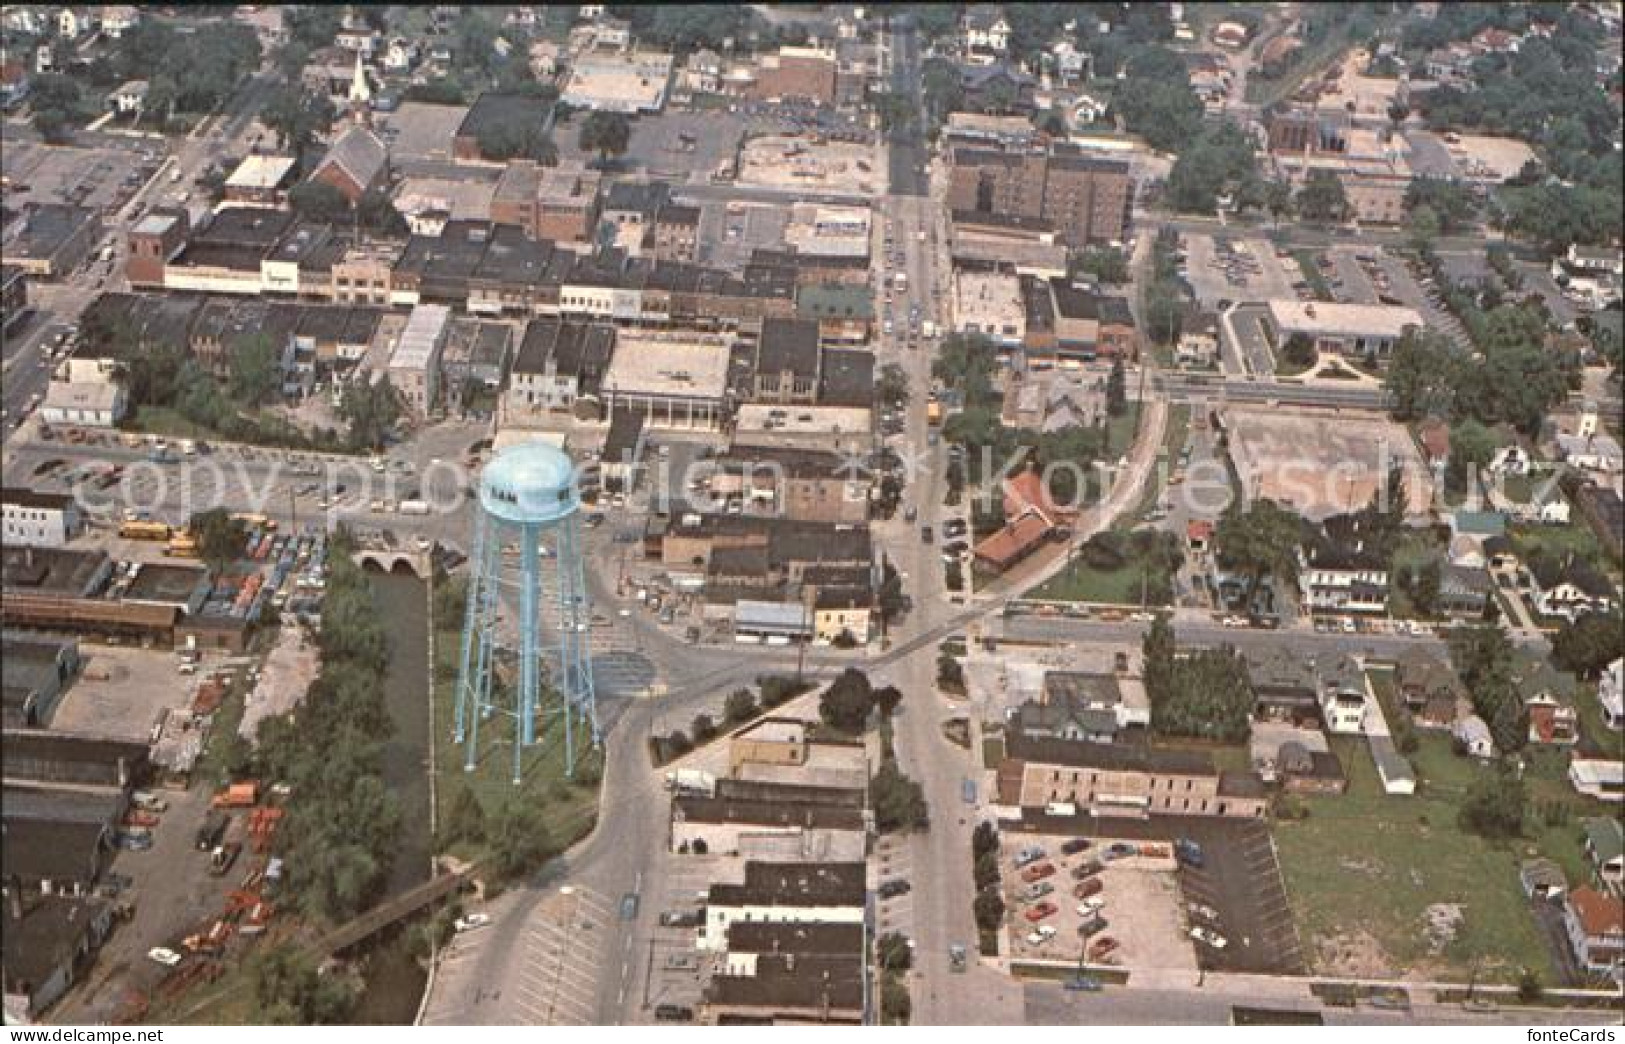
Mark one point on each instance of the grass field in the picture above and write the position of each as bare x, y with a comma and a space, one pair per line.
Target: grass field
569, 808
1173, 440
1369, 863
1080, 583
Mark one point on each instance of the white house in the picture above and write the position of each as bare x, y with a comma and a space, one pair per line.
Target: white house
37, 519
1570, 588
1343, 698
118, 19
1474, 736
71, 23
129, 98
400, 55
1611, 694
98, 404
1511, 459
1598, 778
986, 33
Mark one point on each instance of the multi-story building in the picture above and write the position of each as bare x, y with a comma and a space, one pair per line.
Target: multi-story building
559, 362
559, 203
1109, 779
414, 367
1087, 199
37, 519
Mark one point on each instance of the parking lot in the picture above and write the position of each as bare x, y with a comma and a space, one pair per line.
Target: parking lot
677, 971
97, 178
800, 163
1094, 905
123, 692
1151, 908
1236, 270
1402, 285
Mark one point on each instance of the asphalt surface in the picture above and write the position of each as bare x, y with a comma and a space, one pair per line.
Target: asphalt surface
1273, 392
908, 153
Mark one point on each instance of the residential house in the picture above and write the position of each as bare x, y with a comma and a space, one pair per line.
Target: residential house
1611, 695
1336, 578
1605, 847
1595, 924
129, 98
1073, 705
986, 33
1551, 720
1474, 737
1543, 879
1343, 696
1429, 689
1569, 587
36, 518
1598, 778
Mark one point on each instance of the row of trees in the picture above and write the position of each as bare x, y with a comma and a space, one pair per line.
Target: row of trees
1514, 379
988, 906
1162, 301
741, 706
1483, 658
343, 822
1206, 693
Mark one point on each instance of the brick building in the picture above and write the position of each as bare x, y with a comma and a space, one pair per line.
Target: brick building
1086, 199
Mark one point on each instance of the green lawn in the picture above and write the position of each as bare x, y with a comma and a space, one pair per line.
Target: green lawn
1558, 541
570, 809
1367, 862
1312, 276
1080, 583
1597, 736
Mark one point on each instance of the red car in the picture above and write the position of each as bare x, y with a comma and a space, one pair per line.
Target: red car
1086, 888
1037, 872
1041, 911
1101, 947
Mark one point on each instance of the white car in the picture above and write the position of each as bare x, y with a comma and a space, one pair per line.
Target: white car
469, 922
1092, 905
1235, 621
1208, 936
164, 956
1348, 625
1142, 617
1041, 935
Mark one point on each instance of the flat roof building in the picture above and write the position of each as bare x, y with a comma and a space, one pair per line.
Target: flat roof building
677, 379
414, 366
1348, 329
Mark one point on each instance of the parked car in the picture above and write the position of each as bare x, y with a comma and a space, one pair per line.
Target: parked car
469, 922
1040, 935
674, 1013
1075, 845
164, 956
1037, 891
1089, 886
893, 888
1041, 911
1208, 936
1030, 854
1102, 947
1189, 853
1037, 872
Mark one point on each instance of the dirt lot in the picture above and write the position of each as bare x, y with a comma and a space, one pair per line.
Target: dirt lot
790, 162
122, 692
1322, 464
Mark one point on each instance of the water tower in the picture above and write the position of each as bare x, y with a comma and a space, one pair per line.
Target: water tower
527, 567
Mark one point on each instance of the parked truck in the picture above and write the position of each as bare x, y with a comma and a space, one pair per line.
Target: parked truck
223, 856
237, 795
414, 507
691, 782
212, 830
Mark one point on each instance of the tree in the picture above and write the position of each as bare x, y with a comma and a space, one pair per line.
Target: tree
887, 700
1108, 264
891, 389
1494, 805
740, 707
505, 141
899, 802
1322, 198
896, 1007
1211, 161
319, 202
1472, 447
256, 370
1424, 229
897, 113
296, 116
291, 992
1300, 350
1116, 389
1588, 643
464, 819
605, 133
703, 729
988, 908
519, 840
893, 952
371, 410
845, 705
1260, 539
1422, 375
1451, 202
1155, 100
219, 537
1278, 199
984, 839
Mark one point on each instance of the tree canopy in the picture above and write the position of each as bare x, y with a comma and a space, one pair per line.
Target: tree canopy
606, 133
